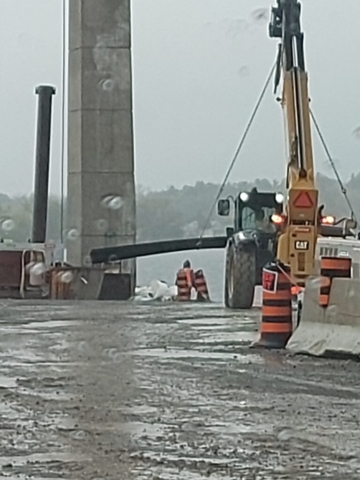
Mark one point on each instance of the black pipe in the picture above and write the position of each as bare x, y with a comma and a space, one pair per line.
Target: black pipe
42, 162
123, 252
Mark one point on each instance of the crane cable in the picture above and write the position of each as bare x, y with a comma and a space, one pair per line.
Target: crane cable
237, 152
333, 166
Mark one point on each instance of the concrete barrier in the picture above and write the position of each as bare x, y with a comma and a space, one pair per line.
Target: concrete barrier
331, 330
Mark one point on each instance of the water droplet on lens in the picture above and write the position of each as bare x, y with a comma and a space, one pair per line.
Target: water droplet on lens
80, 435
356, 133
29, 266
113, 258
105, 201
116, 203
260, 16
8, 225
72, 234
332, 311
82, 346
285, 435
112, 352
108, 84
87, 261
244, 71
66, 277
37, 268
101, 224
314, 283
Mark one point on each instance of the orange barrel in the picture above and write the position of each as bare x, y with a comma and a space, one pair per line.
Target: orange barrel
201, 287
332, 267
184, 291
276, 323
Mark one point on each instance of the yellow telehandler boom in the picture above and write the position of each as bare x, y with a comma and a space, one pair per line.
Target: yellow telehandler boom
299, 231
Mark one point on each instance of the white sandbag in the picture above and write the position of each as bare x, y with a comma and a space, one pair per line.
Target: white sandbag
158, 289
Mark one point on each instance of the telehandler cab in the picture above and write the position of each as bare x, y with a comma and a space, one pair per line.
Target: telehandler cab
252, 243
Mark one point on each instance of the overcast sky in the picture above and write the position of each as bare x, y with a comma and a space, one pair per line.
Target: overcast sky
199, 66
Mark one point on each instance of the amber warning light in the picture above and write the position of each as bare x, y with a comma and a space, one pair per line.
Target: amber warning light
328, 220
277, 219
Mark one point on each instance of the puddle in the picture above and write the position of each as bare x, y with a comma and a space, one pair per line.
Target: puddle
6, 382
59, 395
187, 354
233, 429
24, 351
22, 460
227, 337
222, 322
215, 461
229, 327
132, 428
140, 410
53, 324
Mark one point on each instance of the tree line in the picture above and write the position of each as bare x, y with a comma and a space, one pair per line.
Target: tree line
175, 212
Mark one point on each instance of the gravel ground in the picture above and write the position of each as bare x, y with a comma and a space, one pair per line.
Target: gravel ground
174, 392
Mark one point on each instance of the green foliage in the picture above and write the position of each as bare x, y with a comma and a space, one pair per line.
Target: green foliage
176, 213
19, 210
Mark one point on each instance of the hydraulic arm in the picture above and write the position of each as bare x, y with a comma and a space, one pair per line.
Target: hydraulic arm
297, 241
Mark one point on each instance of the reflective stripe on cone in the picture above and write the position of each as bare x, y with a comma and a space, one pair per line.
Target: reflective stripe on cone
184, 291
332, 267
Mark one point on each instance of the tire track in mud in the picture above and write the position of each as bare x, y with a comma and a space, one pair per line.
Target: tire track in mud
108, 391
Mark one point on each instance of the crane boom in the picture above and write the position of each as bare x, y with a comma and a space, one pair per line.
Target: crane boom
298, 237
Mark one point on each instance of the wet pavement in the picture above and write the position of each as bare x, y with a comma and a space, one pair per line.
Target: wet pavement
120, 391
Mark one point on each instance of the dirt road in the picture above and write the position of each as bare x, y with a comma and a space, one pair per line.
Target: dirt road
107, 391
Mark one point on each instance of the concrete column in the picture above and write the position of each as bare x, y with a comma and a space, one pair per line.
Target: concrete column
101, 190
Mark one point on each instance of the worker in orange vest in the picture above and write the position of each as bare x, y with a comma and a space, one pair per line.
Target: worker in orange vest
185, 281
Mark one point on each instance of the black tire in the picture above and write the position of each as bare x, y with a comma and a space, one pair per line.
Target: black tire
240, 277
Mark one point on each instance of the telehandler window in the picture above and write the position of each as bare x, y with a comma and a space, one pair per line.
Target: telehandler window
252, 219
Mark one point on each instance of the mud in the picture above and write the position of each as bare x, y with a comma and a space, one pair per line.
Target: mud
119, 391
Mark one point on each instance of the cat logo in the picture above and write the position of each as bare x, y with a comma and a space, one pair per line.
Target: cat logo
301, 245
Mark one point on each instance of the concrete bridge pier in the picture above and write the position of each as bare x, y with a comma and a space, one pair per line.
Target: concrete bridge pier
101, 187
